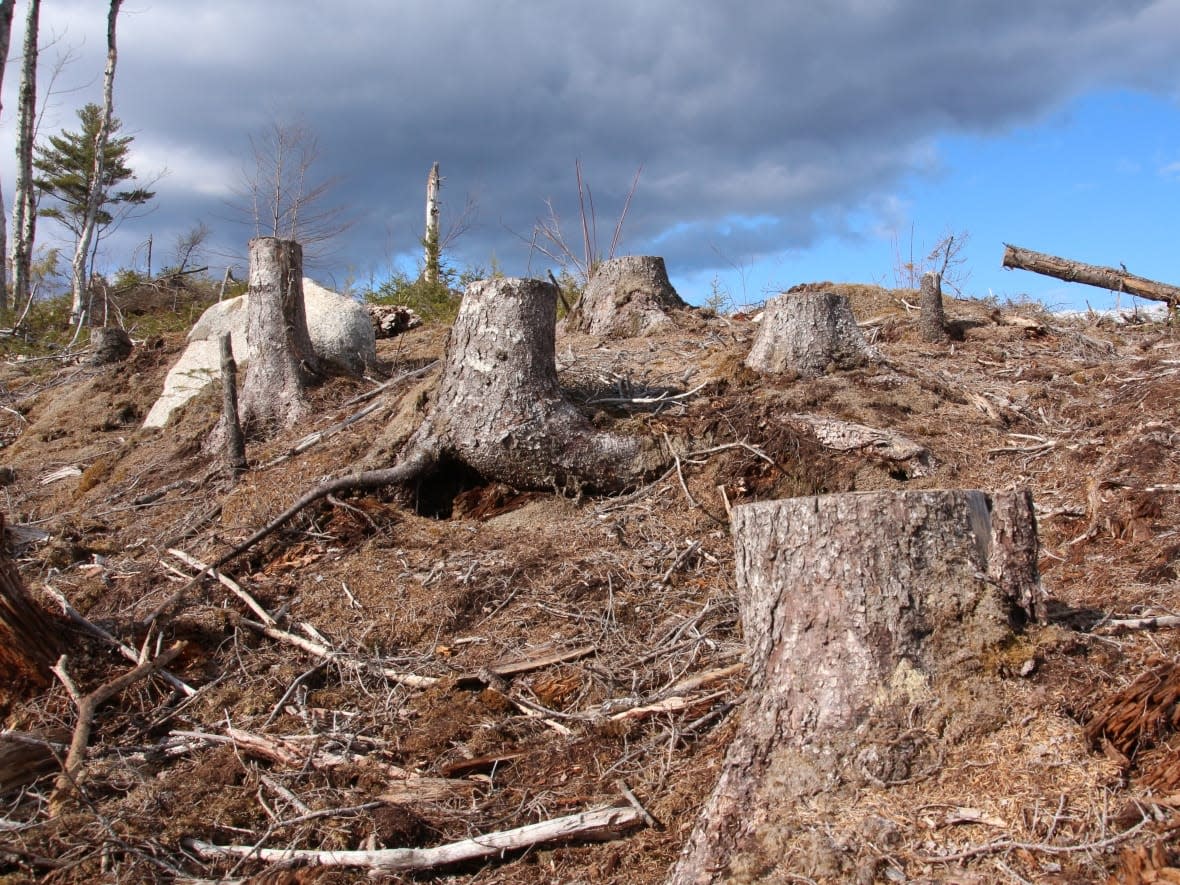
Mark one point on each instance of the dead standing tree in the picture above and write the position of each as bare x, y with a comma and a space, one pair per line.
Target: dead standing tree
282, 361
500, 411
868, 619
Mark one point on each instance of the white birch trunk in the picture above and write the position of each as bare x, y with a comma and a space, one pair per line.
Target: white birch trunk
7, 9
94, 197
24, 215
430, 242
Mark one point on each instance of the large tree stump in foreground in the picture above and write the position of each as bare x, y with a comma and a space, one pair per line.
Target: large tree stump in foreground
500, 410
627, 296
807, 333
29, 639
867, 618
283, 361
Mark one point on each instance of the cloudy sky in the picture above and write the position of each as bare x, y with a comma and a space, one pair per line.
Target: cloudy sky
779, 142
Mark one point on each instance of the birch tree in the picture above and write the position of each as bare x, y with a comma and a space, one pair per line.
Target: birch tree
24, 202
94, 197
7, 9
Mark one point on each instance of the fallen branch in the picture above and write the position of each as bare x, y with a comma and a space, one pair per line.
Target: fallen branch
1126, 625
601, 825
1090, 274
87, 706
1044, 848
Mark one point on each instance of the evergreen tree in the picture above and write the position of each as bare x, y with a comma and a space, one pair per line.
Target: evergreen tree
66, 165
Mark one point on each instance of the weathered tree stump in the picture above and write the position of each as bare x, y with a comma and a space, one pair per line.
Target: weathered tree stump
282, 359
627, 296
111, 345
29, 639
235, 443
500, 410
807, 333
931, 318
867, 619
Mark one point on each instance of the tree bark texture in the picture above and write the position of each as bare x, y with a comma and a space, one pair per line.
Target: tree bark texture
627, 296
1115, 279
24, 201
7, 11
111, 345
95, 196
500, 410
29, 638
235, 443
807, 333
273, 391
868, 618
430, 241
931, 318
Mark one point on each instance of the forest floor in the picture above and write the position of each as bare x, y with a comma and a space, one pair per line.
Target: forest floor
464, 659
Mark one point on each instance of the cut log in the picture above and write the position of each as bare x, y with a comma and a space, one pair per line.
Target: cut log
868, 618
30, 639
1115, 279
931, 319
627, 296
283, 361
807, 333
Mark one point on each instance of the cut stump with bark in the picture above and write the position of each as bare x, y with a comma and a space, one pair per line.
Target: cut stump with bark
627, 296
29, 637
869, 619
283, 362
500, 410
808, 333
111, 345
931, 318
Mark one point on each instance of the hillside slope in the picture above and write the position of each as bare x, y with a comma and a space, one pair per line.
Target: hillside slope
489, 659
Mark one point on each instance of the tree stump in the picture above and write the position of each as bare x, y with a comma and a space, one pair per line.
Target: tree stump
867, 619
807, 333
627, 296
111, 345
931, 319
30, 641
235, 444
282, 361
499, 408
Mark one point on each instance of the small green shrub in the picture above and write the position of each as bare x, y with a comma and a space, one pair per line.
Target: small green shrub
433, 302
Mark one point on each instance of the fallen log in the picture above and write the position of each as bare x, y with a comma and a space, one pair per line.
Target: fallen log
1115, 279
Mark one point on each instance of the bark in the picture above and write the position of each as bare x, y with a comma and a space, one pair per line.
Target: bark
932, 320
111, 345
29, 637
627, 296
500, 410
808, 333
94, 197
24, 202
1115, 279
235, 444
868, 619
283, 361
430, 242
7, 9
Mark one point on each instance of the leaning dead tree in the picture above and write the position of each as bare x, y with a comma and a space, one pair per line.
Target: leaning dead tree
1115, 279
807, 332
282, 361
626, 296
29, 639
868, 619
499, 410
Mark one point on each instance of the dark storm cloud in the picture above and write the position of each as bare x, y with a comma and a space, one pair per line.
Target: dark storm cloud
796, 117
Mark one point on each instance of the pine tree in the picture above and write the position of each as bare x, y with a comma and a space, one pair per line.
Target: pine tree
65, 167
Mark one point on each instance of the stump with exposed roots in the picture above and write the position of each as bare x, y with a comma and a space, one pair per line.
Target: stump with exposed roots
627, 296
283, 361
500, 410
869, 620
808, 333
30, 640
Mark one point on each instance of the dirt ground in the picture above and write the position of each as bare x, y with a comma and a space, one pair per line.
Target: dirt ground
459, 658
